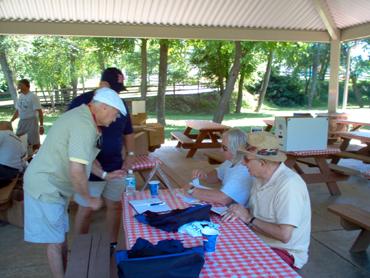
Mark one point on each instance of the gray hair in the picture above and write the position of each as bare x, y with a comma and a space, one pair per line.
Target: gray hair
236, 139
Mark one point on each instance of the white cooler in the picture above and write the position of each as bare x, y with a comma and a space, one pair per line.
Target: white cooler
301, 133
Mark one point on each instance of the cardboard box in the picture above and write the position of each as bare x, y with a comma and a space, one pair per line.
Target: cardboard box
301, 133
155, 134
139, 119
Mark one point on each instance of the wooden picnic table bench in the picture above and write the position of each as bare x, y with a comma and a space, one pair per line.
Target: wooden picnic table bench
354, 218
206, 130
90, 257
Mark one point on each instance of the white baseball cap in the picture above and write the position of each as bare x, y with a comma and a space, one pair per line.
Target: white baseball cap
111, 98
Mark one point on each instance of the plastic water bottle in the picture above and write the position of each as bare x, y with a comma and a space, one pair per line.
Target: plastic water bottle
130, 183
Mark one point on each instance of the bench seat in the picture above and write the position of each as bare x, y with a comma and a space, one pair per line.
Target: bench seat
354, 218
214, 157
184, 141
90, 257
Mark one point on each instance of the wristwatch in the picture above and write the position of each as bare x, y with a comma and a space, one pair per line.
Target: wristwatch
191, 190
250, 223
104, 175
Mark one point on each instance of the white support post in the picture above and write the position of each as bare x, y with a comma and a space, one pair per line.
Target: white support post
334, 76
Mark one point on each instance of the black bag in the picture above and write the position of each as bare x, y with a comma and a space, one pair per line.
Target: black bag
187, 264
170, 222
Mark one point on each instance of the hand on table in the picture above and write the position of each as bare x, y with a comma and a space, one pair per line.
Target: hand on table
200, 174
237, 211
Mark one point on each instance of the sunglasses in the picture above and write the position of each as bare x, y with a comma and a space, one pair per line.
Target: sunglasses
268, 152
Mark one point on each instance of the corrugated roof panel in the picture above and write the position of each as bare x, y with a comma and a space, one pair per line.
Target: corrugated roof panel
349, 13
269, 14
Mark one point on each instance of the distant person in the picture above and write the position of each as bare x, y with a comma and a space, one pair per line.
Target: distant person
28, 109
61, 168
279, 206
12, 154
117, 152
233, 175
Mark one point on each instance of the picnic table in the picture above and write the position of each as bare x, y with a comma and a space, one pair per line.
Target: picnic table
353, 124
362, 154
326, 175
204, 130
239, 252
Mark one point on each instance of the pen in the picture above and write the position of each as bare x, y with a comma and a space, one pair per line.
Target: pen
157, 204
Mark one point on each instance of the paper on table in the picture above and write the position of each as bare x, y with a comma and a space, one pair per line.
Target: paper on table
154, 205
196, 183
187, 199
219, 210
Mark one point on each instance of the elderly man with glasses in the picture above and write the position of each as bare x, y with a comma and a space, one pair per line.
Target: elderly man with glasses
232, 174
279, 206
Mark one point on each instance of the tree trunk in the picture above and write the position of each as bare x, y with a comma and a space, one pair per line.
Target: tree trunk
233, 75
162, 81
346, 81
315, 66
74, 79
266, 80
8, 74
356, 91
239, 100
101, 61
144, 68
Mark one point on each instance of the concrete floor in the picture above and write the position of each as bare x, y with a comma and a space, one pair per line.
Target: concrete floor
329, 255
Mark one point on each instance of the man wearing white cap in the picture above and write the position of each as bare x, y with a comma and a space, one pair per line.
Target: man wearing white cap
279, 205
61, 168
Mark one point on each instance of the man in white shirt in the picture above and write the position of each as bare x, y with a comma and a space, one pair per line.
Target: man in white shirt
279, 206
30, 114
12, 153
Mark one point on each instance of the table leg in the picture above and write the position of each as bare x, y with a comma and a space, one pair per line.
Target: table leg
187, 133
343, 146
198, 141
362, 242
326, 173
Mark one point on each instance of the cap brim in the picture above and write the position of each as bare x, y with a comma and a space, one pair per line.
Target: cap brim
279, 157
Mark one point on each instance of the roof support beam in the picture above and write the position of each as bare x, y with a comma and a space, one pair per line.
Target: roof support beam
159, 31
356, 32
323, 10
334, 76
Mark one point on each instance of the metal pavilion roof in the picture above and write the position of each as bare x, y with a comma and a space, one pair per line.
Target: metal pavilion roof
291, 20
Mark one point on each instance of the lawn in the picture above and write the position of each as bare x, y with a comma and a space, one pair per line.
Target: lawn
176, 121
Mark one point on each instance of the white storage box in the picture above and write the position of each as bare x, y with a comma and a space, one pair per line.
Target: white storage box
301, 133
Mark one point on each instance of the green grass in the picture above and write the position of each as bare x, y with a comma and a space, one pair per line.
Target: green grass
175, 121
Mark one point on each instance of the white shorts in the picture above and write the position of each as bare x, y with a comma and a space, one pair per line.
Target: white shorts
111, 190
44, 222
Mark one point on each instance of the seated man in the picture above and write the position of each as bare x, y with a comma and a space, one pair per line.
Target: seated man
12, 153
233, 175
279, 206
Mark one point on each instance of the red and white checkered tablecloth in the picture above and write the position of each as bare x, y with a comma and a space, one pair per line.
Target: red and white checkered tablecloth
143, 162
239, 252
327, 151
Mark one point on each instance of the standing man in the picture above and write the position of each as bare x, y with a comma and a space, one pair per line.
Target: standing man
117, 152
30, 114
61, 168
279, 205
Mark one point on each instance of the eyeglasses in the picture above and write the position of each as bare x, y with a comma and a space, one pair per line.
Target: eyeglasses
224, 148
99, 143
268, 152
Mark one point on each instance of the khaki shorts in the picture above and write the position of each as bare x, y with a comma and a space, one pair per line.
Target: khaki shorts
31, 128
111, 190
44, 222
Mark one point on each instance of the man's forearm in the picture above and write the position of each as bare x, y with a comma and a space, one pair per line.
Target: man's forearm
15, 115
277, 231
130, 142
41, 117
212, 196
79, 179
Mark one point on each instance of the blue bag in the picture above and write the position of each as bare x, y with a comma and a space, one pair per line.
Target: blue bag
185, 264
